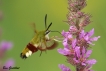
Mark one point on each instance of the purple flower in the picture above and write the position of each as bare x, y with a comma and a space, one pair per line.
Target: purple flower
68, 49
64, 51
9, 63
66, 34
4, 45
87, 36
82, 56
65, 43
63, 67
73, 29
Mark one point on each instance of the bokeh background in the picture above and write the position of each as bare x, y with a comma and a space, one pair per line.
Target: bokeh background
18, 14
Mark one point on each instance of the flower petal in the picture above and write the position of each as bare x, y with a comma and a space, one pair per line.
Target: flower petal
86, 37
84, 64
83, 51
69, 36
90, 42
64, 51
94, 38
81, 35
77, 61
73, 29
65, 42
88, 53
91, 62
65, 34
91, 33
77, 50
74, 43
63, 67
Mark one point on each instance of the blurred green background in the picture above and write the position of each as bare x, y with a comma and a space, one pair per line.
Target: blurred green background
18, 14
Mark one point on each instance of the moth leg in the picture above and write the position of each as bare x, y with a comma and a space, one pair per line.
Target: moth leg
40, 53
46, 46
56, 39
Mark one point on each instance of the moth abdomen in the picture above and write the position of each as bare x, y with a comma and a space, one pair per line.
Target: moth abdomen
28, 51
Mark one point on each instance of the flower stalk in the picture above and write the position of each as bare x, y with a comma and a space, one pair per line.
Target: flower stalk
76, 41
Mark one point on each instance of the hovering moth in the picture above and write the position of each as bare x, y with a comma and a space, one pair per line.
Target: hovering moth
40, 41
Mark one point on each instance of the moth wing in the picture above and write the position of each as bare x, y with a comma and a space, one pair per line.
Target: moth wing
33, 26
51, 44
48, 45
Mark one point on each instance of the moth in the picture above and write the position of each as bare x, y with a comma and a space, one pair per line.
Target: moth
40, 41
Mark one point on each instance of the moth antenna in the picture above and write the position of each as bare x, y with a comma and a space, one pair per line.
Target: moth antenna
45, 21
49, 26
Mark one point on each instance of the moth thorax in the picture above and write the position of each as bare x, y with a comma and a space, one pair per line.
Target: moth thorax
37, 45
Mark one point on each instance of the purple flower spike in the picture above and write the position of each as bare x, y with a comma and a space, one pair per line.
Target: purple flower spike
4, 45
76, 40
63, 67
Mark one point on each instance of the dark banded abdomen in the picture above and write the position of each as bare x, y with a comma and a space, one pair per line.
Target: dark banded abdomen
32, 48
28, 51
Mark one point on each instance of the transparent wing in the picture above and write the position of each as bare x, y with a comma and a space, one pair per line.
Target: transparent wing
33, 27
48, 45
